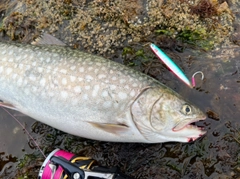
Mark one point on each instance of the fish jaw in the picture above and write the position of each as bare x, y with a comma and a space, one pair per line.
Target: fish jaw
189, 130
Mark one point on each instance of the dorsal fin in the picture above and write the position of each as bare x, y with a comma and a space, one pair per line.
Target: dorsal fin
47, 39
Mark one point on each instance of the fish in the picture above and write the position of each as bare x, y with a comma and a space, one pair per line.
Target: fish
92, 97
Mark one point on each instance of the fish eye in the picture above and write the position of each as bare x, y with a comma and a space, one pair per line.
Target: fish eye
186, 109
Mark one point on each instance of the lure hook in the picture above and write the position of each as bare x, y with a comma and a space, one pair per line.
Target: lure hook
193, 79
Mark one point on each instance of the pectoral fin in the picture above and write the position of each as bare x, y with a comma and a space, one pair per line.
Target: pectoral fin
112, 128
8, 105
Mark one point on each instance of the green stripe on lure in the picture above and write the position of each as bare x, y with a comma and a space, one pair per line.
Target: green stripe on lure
171, 65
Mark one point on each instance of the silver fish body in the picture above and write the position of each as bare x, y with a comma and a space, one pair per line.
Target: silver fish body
92, 97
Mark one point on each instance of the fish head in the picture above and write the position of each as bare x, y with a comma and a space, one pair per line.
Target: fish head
164, 116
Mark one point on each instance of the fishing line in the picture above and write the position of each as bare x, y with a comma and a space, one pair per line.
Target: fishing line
36, 144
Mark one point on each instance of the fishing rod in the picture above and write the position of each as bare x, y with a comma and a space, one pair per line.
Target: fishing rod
60, 164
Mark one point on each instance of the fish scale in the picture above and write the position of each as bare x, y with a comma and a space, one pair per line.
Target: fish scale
90, 96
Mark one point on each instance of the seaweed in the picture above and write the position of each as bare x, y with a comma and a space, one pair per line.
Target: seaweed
204, 8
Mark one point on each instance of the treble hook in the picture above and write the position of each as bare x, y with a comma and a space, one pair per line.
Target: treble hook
193, 80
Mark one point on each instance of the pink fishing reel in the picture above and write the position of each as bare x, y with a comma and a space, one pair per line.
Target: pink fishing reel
65, 165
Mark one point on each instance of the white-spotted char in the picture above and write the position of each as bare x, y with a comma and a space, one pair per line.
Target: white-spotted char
90, 96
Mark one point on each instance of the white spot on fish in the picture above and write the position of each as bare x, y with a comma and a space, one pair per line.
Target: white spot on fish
122, 95
26, 91
19, 82
77, 89
10, 52
48, 60
107, 104
122, 81
114, 78
122, 108
112, 87
10, 59
4, 52
18, 58
43, 82
51, 94
1, 69
4, 59
8, 71
111, 71
87, 87
80, 79
73, 67
81, 69
116, 105
21, 66
55, 55
95, 90
75, 101
64, 81
64, 71
34, 88
64, 94
24, 56
132, 93
90, 68
72, 78
34, 63
104, 93
14, 75
96, 70
40, 69
100, 76
89, 62
85, 96
55, 82
27, 67
25, 82
134, 84
88, 78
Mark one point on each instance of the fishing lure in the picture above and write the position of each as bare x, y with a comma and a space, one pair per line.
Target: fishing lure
171, 65
193, 79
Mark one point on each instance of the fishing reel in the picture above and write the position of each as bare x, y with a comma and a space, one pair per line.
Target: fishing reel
64, 165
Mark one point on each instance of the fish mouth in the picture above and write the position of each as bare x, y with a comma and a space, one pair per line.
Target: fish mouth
189, 124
